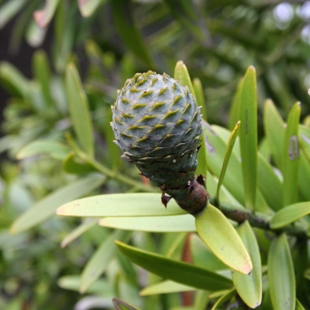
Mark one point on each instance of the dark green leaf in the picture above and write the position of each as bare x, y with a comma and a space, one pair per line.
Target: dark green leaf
79, 111
281, 275
170, 269
290, 157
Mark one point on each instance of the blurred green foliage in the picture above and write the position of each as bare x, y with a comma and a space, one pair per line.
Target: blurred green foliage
54, 148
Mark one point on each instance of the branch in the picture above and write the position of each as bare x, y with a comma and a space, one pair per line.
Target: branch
258, 220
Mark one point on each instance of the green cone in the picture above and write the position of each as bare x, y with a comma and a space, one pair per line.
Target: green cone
157, 125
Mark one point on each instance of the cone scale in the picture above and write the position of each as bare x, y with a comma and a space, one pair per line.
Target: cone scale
157, 125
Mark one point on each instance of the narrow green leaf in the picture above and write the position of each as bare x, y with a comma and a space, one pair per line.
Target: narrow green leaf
99, 261
274, 131
42, 73
248, 136
202, 256
124, 23
229, 148
304, 176
72, 283
304, 139
269, 183
44, 16
290, 214
9, 9
181, 74
13, 79
166, 287
216, 141
79, 111
88, 7
227, 295
281, 275
222, 239
141, 204
78, 231
249, 287
290, 157
200, 98
121, 305
234, 113
201, 300
177, 223
170, 269
216, 149
52, 148
202, 167
46, 208
299, 306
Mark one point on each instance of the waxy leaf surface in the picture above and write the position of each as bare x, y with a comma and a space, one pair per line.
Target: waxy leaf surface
223, 240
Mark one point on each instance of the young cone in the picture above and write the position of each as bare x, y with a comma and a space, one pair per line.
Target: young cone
157, 125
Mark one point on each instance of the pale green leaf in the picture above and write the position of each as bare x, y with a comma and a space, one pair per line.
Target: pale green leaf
166, 287
177, 223
202, 158
281, 275
248, 136
269, 183
274, 131
234, 114
46, 208
202, 256
88, 7
304, 139
79, 111
9, 9
170, 269
249, 287
99, 261
181, 74
290, 157
229, 148
72, 283
52, 148
223, 240
290, 214
216, 149
42, 73
200, 98
78, 231
304, 176
137, 204
35, 34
